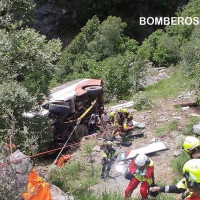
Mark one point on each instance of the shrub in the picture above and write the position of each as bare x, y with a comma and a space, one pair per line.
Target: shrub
167, 51
147, 49
190, 54
141, 101
115, 72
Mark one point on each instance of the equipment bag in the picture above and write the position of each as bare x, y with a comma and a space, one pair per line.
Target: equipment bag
128, 174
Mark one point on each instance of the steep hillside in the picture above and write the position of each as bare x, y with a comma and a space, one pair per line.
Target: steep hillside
165, 122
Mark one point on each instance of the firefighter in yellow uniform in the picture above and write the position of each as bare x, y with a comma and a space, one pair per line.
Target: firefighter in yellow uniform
109, 156
191, 145
189, 184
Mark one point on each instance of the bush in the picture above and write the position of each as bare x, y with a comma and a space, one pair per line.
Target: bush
167, 51
183, 32
147, 49
190, 55
138, 73
115, 72
141, 101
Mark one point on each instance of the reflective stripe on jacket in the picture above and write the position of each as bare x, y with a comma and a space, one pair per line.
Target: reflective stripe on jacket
148, 171
109, 154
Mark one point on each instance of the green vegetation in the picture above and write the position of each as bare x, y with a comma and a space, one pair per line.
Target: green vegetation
30, 64
86, 148
167, 88
178, 162
75, 177
166, 128
105, 53
141, 101
27, 64
188, 127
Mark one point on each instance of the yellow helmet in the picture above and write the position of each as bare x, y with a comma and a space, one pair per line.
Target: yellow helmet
109, 143
112, 114
190, 143
123, 110
191, 170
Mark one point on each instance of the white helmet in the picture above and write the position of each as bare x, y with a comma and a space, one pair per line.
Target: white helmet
141, 160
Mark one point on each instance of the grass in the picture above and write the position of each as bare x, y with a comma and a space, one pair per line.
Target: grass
75, 177
117, 196
188, 127
166, 128
86, 148
178, 162
166, 88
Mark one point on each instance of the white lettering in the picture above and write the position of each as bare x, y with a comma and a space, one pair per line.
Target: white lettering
166, 21
150, 20
190, 20
196, 21
158, 20
180, 20
142, 21
174, 21
169, 21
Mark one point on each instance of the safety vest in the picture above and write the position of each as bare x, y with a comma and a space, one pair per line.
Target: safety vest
189, 195
144, 179
110, 154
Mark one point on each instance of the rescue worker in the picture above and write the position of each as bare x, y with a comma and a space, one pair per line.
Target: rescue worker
105, 119
142, 169
112, 116
93, 123
190, 182
109, 156
191, 145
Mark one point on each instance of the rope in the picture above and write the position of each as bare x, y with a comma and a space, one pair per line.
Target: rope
38, 154
78, 122
51, 167
46, 152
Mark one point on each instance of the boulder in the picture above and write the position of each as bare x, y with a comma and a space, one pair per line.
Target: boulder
15, 176
58, 194
196, 128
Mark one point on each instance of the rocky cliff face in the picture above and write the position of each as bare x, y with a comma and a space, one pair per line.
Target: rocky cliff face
64, 18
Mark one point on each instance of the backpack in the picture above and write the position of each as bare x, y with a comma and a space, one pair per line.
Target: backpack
128, 174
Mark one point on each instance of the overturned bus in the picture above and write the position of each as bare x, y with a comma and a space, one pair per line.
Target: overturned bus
68, 102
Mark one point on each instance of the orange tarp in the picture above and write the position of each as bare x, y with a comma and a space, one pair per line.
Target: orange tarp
37, 188
62, 160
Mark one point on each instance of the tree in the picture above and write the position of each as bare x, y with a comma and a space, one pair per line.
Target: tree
29, 58
108, 38
14, 13
115, 73
190, 54
167, 51
138, 73
184, 32
76, 48
147, 49
95, 42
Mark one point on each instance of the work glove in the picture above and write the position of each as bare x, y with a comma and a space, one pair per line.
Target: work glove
143, 174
